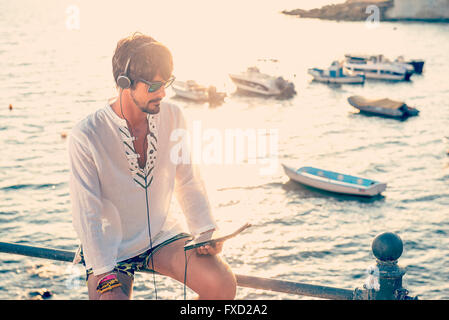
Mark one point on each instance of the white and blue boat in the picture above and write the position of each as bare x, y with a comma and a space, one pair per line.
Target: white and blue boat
336, 74
335, 182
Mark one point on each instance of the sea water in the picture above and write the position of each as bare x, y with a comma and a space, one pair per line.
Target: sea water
55, 62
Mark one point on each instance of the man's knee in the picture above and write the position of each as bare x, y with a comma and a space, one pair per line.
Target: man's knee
228, 288
220, 286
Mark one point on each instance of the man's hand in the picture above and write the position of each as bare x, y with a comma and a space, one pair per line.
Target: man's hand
211, 249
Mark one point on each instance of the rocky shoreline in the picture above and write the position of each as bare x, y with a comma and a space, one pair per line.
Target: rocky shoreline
356, 10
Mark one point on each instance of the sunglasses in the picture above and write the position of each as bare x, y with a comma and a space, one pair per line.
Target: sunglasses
154, 86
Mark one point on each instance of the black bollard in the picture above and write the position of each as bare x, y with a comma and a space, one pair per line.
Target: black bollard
387, 248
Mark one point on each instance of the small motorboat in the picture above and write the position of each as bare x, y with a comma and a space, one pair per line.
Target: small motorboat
191, 90
334, 181
254, 81
384, 107
336, 73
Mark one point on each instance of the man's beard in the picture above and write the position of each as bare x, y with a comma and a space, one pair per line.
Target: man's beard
147, 106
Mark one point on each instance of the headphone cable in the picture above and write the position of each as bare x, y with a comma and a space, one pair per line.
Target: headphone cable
146, 200
185, 268
151, 242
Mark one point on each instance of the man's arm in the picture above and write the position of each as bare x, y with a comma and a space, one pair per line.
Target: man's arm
191, 193
194, 202
99, 250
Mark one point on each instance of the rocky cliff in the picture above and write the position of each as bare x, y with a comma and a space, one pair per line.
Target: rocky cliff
389, 10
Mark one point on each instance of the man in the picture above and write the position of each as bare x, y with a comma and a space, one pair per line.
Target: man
122, 179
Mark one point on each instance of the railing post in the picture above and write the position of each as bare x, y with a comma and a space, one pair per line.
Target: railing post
385, 279
387, 248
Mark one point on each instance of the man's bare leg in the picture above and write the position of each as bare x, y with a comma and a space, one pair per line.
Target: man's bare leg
208, 275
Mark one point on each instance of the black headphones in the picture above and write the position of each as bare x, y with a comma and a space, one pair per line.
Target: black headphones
123, 81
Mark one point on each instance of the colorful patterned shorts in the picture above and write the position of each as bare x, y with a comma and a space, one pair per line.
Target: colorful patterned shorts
137, 263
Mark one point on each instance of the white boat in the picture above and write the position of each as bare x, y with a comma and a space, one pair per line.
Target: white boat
191, 90
336, 73
378, 67
334, 181
384, 107
254, 81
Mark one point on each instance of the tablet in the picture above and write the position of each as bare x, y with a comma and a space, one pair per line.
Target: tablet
214, 236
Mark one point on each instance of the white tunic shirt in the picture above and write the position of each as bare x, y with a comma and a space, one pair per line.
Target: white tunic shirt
112, 196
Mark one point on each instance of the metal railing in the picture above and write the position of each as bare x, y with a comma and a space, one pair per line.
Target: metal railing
386, 275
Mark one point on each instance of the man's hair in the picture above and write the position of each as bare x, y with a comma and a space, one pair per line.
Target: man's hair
148, 57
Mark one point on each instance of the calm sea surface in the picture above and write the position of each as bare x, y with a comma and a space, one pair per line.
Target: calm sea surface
55, 62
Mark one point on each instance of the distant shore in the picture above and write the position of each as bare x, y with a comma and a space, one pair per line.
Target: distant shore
356, 10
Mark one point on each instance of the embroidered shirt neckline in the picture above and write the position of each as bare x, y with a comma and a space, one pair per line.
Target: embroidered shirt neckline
142, 177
